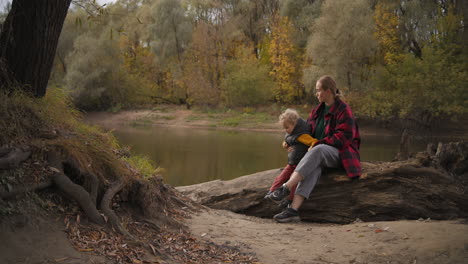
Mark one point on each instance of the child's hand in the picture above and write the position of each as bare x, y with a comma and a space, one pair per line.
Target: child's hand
285, 145
311, 146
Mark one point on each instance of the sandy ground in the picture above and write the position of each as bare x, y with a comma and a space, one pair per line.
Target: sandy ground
408, 242
405, 242
34, 240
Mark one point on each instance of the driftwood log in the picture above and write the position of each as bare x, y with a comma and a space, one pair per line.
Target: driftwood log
431, 185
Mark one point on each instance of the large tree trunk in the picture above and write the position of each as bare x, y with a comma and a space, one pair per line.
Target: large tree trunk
427, 187
28, 43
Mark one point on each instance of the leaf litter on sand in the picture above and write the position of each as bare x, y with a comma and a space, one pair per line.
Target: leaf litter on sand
153, 246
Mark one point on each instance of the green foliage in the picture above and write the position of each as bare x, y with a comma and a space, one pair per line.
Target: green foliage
341, 43
172, 30
98, 79
22, 116
302, 13
210, 53
231, 121
144, 165
247, 82
426, 84
434, 84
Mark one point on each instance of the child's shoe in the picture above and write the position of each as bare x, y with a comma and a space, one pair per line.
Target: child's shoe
279, 193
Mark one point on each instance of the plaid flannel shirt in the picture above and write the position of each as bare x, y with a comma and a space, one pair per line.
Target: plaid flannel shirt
341, 132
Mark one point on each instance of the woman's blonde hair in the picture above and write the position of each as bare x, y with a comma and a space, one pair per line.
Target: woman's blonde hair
289, 115
329, 84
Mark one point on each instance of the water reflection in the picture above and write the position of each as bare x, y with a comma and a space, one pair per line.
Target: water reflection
198, 155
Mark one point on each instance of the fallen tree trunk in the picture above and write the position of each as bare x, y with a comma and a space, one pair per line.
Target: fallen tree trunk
411, 189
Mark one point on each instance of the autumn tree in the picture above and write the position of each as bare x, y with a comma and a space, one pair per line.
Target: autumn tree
387, 33
285, 62
428, 84
204, 64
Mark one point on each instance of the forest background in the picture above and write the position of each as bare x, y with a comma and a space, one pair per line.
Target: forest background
393, 59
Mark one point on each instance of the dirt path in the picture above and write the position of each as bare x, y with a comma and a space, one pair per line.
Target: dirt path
378, 242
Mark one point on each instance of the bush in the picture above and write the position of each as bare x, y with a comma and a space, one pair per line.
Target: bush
434, 85
247, 83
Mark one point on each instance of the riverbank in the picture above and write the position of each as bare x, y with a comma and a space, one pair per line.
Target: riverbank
262, 119
247, 119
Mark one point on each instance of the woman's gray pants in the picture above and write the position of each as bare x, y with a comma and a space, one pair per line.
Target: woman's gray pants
311, 165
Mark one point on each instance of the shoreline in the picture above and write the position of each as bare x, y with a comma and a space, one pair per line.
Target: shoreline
181, 119
177, 117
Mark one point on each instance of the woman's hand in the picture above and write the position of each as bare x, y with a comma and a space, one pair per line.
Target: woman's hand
285, 145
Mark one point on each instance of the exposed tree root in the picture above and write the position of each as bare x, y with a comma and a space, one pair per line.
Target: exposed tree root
90, 181
12, 157
77, 192
155, 200
106, 207
87, 198
25, 189
93, 186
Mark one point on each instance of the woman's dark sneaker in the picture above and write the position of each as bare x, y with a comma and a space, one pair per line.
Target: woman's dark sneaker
288, 215
284, 204
279, 193
267, 196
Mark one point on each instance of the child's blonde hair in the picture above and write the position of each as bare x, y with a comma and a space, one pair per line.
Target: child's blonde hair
289, 115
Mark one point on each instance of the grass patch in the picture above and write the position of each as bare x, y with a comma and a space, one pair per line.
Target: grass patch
149, 120
24, 118
142, 122
192, 118
144, 165
231, 121
167, 117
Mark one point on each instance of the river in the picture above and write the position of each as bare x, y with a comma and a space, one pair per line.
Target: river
195, 155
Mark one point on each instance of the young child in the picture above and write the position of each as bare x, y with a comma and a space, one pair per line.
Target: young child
297, 138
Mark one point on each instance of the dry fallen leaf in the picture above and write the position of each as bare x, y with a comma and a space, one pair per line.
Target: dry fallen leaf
85, 249
54, 169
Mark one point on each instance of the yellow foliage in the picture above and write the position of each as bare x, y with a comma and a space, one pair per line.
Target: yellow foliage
386, 21
284, 61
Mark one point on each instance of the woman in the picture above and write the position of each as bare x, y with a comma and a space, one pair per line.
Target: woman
335, 127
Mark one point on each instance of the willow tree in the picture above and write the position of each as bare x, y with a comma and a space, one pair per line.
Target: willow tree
254, 18
28, 42
342, 42
302, 14
172, 31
